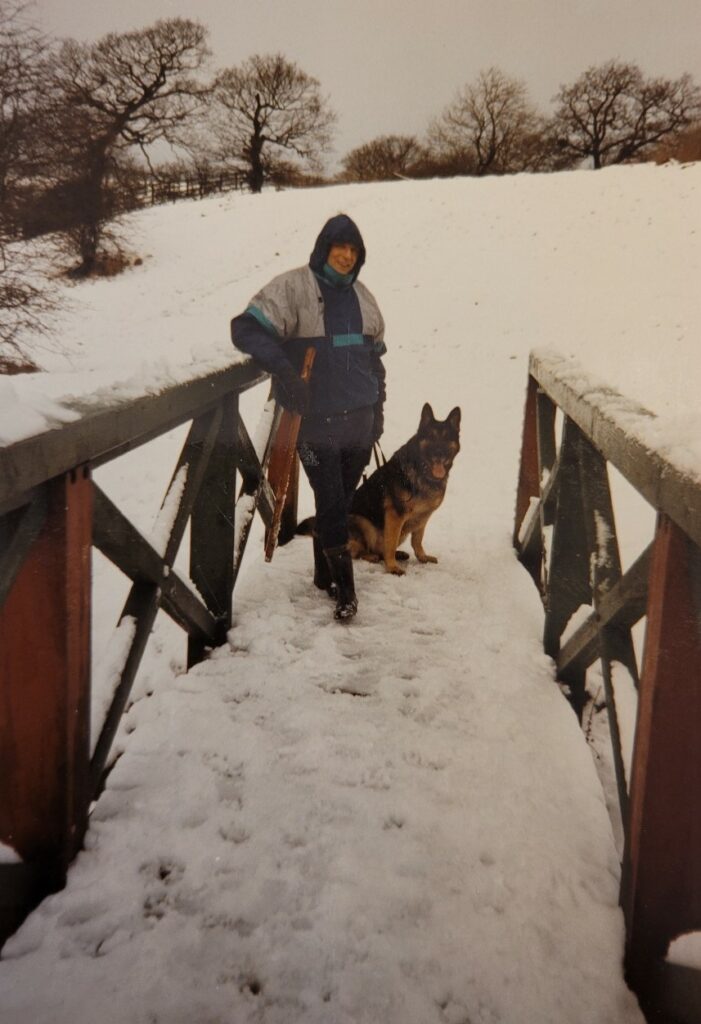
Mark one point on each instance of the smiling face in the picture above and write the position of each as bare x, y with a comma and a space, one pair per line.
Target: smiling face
342, 257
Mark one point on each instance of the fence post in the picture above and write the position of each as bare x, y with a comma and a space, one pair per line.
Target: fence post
45, 693
661, 889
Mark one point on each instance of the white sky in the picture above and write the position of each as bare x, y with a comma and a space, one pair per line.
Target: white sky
390, 66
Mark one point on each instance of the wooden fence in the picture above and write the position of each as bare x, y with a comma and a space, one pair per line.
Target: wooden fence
51, 514
565, 535
166, 190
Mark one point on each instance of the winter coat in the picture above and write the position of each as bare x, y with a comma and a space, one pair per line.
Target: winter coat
338, 315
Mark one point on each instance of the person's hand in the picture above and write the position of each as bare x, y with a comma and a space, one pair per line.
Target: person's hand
293, 392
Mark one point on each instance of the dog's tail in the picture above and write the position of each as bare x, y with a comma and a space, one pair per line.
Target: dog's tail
307, 527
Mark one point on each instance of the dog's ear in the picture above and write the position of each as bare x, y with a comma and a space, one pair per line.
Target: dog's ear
454, 419
426, 417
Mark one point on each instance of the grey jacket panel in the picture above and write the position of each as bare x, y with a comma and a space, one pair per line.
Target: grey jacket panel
293, 305
373, 323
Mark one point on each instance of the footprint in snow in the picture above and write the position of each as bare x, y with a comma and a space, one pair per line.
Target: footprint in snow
234, 833
427, 631
394, 821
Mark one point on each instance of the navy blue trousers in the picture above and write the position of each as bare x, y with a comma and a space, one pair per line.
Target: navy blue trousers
334, 451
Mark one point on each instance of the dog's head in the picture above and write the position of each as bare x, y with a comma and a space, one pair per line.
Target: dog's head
439, 441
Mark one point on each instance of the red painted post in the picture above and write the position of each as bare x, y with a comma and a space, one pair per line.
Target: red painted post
529, 475
45, 690
661, 891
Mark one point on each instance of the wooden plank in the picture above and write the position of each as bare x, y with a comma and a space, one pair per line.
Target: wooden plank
610, 420
45, 691
255, 493
193, 464
615, 643
151, 585
22, 536
246, 458
212, 529
529, 474
119, 540
538, 458
621, 607
661, 892
672, 994
22, 887
145, 596
254, 481
142, 605
283, 471
545, 427
568, 579
288, 515
111, 428
530, 543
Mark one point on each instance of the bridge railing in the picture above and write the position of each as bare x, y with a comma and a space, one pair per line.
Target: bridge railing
52, 513
565, 535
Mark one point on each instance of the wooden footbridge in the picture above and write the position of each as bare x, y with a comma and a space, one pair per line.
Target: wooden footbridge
52, 513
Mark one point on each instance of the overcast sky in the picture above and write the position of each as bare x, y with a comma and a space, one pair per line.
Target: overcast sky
390, 66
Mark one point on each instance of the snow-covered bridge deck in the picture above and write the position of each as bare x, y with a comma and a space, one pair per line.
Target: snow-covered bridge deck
396, 821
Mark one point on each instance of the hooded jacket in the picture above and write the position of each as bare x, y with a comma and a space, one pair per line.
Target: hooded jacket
335, 313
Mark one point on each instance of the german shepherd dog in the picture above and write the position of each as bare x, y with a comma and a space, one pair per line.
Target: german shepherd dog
399, 498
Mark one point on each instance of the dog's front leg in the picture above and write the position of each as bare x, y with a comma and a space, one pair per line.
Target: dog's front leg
417, 538
390, 541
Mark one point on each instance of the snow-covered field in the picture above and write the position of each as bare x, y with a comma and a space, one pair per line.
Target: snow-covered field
399, 821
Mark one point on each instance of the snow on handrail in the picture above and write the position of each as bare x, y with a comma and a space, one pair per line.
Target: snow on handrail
103, 430
629, 436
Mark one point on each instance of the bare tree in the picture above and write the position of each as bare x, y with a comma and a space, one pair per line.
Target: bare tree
490, 127
21, 61
127, 90
23, 300
383, 158
612, 113
270, 109
26, 304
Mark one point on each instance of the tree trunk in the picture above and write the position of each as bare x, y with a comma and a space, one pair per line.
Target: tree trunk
256, 174
94, 211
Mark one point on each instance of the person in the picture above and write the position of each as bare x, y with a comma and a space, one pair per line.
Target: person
342, 405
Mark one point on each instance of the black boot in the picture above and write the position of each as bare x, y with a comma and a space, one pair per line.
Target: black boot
322, 573
341, 567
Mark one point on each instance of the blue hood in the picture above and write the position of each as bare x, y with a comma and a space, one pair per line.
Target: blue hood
335, 231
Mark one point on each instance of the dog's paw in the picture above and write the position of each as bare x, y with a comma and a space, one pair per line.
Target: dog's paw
427, 558
395, 569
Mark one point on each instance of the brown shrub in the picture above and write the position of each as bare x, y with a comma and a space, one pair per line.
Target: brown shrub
685, 148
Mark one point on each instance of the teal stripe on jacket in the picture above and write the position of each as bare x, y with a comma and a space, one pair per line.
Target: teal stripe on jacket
343, 340
263, 320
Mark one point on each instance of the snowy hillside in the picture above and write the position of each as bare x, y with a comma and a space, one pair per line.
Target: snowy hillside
399, 821
600, 266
